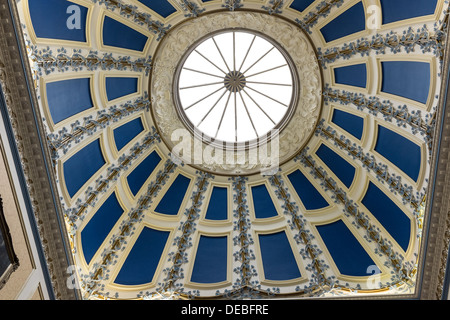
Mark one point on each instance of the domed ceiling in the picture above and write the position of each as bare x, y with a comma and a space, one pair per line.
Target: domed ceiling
334, 101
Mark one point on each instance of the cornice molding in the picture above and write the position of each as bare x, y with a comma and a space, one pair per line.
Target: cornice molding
434, 253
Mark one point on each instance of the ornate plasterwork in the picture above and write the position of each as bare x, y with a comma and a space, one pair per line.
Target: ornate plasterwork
26, 134
437, 243
307, 111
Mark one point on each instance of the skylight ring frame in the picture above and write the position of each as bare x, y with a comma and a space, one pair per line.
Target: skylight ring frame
298, 130
249, 144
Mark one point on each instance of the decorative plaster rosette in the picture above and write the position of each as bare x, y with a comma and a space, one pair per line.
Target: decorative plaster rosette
306, 112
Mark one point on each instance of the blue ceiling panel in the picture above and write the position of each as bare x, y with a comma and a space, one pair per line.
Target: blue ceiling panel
142, 261
349, 256
349, 122
353, 75
117, 87
279, 262
127, 132
396, 10
389, 215
340, 167
79, 168
218, 204
408, 79
162, 7
116, 34
350, 21
311, 198
140, 174
301, 5
262, 202
210, 264
403, 153
52, 20
67, 98
171, 202
99, 226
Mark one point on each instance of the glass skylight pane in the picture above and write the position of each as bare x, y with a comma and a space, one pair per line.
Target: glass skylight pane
235, 86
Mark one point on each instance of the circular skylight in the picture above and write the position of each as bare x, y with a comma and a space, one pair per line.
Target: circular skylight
235, 86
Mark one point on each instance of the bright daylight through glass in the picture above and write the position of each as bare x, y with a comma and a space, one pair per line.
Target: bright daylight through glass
235, 86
